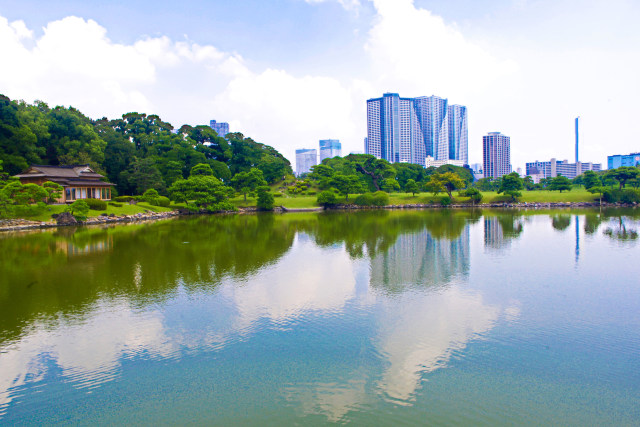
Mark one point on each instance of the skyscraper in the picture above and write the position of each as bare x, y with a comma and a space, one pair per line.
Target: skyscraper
222, 128
305, 158
330, 148
410, 129
496, 155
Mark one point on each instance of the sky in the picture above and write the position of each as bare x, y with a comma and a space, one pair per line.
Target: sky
288, 73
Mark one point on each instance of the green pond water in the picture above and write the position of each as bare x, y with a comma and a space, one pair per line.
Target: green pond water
368, 318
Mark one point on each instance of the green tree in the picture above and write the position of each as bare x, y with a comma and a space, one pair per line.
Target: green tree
590, 179
528, 183
623, 174
559, 183
511, 185
473, 194
597, 190
201, 169
390, 185
151, 196
79, 209
327, 198
246, 182
346, 184
412, 187
142, 175
203, 191
265, 198
54, 191
433, 186
450, 181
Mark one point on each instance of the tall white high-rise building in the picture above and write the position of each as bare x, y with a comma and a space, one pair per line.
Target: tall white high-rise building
330, 148
496, 155
305, 158
410, 129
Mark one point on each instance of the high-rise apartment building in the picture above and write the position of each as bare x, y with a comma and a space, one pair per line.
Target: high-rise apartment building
410, 129
222, 128
618, 160
330, 148
555, 167
305, 158
496, 155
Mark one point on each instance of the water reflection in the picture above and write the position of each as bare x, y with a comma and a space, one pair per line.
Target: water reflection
90, 299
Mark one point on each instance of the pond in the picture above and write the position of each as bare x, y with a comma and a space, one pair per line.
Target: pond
448, 317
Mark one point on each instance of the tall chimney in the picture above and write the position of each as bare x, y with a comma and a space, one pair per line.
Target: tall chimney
577, 139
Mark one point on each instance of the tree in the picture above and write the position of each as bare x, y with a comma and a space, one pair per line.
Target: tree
151, 196
590, 179
511, 185
79, 209
412, 187
54, 191
450, 181
142, 175
390, 185
528, 183
202, 169
623, 174
327, 198
560, 183
203, 191
265, 199
433, 186
597, 190
346, 184
473, 194
246, 182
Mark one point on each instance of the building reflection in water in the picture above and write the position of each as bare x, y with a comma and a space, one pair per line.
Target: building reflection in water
500, 230
420, 259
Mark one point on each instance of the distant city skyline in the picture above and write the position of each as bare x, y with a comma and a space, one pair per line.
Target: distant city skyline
221, 128
409, 130
281, 84
330, 148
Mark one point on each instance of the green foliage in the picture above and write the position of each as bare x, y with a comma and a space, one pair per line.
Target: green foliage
621, 195
150, 196
265, 199
124, 199
559, 183
201, 169
380, 198
487, 184
79, 209
445, 201
411, 187
365, 199
511, 185
390, 185
528, 183
346, 184
204, 191
623, 174
433, 186
246, 182
327, 198
115, 204
54, 191
162, 201
449, 181
590, 179
473, 194
96, 204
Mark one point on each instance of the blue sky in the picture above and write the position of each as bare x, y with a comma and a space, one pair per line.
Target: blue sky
291, 72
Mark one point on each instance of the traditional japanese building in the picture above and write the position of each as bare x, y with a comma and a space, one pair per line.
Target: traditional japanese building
78, 181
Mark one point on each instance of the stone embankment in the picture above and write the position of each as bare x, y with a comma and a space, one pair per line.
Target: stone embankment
23, 224
489, 205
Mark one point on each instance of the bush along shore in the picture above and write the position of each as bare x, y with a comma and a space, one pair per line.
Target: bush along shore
66, 219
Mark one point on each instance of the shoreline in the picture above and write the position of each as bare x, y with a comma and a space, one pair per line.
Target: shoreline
8, 225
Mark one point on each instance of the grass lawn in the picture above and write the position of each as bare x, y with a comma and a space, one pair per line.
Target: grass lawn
126, 209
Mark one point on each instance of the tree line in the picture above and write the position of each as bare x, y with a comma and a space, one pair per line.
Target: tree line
136, 152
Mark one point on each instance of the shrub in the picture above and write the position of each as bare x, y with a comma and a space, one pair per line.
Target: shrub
115, 204
150, 196
623, 196
79, 209
380, 198
265, 199
123, 199
312, 193
96, 204
162, 201
445, 201
277, 194
365, 199
326, 198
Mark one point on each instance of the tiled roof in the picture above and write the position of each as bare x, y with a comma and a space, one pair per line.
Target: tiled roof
65, 175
